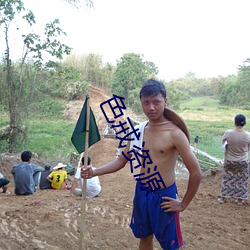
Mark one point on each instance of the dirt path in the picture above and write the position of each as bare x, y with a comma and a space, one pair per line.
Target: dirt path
50, 220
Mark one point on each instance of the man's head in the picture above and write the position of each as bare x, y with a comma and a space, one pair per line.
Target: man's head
153, 99
47, 166
26, 156
153, 88
59, 166
89, 160
240, 120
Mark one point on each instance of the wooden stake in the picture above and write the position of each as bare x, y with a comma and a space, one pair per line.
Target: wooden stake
84, 188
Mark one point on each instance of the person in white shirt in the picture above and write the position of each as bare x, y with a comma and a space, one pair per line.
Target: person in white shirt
93, 185
4, 184
118, 151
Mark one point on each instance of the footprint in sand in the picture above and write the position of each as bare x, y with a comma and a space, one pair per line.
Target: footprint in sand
4, 246
109, 214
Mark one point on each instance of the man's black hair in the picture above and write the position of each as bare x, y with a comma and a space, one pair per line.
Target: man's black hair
240, 120
26, 156
89, 160
153, 88
47, 166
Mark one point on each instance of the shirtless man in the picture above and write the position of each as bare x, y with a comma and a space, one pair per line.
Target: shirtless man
157, 213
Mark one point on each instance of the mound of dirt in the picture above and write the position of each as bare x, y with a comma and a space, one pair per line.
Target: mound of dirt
7, 161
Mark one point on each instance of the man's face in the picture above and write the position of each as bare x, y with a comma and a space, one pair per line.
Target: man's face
153, 106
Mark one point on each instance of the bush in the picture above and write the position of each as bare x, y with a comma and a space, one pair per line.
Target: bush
75, 90
48, 108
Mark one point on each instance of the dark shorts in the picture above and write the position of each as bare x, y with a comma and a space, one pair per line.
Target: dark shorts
149, 218
3, 182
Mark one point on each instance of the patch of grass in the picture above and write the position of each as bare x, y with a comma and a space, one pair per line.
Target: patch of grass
211, 123
48, 108
50, 139
200, 103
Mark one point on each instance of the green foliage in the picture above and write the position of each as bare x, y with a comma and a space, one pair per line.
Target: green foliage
92, 69
48, 108
65, 82
79, 3
134, 95
228, 91
75, 90
210, 123
8, 9
50, 139
244, 83
192, 86
38, 46
175, 96
210, 134
235, 90
205, 163
201, 103
130, 73
19, 79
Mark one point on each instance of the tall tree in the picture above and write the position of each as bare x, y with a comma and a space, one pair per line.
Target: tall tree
244, 83
78, 3
93, 69
15, 82
228, 90
131, 71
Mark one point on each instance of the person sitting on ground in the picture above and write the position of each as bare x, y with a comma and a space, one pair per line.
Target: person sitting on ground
4, 184
118, 151
44, 183
25, 175
93, 185
58, 177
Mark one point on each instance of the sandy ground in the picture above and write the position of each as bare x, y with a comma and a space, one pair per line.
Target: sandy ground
50, 220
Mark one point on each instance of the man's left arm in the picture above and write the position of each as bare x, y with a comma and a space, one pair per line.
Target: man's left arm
195, 176
37, 168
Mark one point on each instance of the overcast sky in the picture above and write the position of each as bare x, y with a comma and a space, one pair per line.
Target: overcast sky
207, 37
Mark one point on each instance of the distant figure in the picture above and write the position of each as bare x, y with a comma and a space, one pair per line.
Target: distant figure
4, 184
26, 175
58, 177
118, 151
44, 183
111, 130
235, 169
93, 185
196, 141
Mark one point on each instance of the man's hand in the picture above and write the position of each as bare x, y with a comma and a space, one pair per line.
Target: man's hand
87, 173
172, 205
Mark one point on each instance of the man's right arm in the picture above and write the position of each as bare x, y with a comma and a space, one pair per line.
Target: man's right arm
109, 168
48, 178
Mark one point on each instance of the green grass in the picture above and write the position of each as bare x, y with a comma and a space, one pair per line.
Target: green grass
50, 137
200, 103
209, 120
